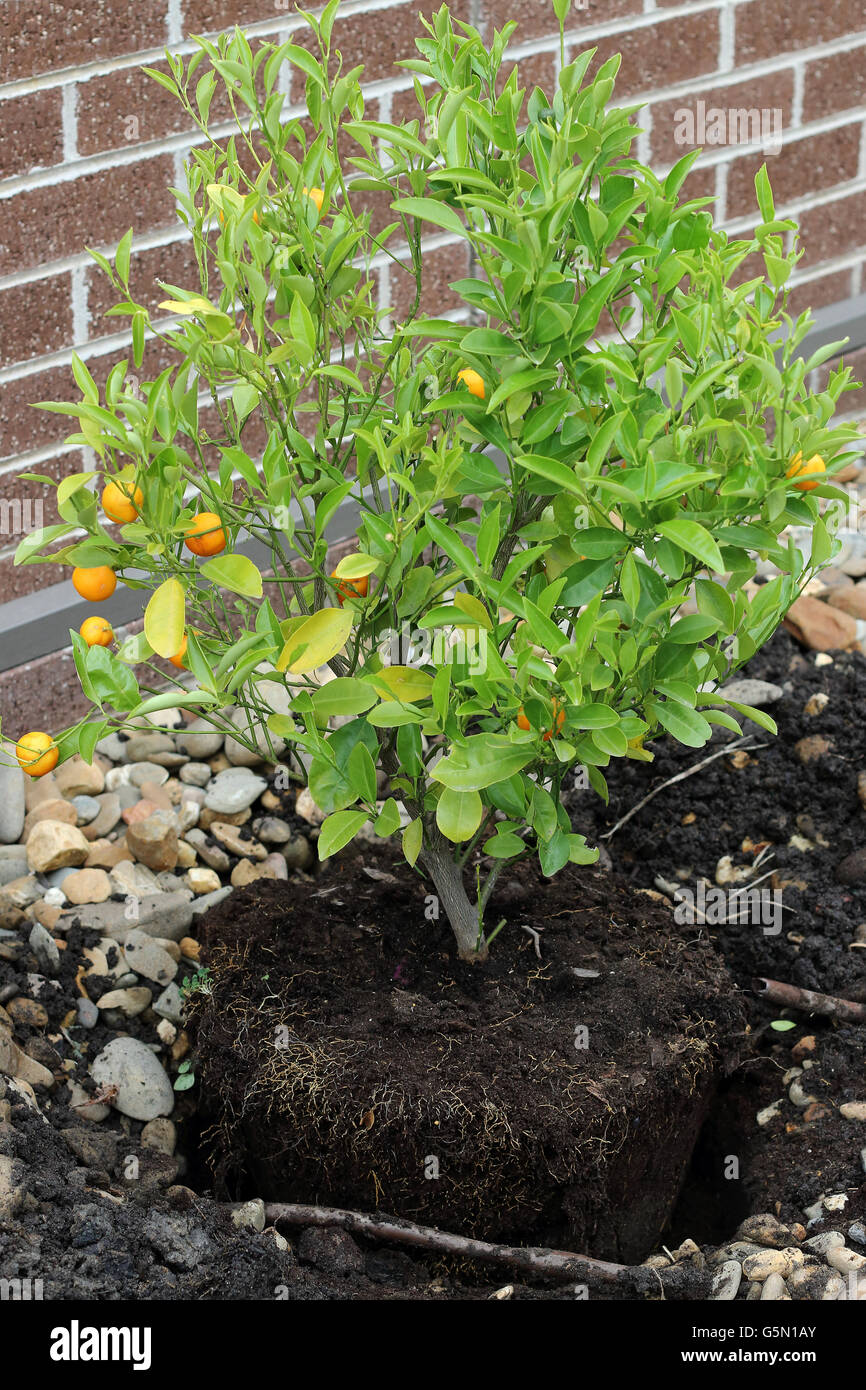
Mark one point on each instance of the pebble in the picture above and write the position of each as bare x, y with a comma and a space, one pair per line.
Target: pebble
853, 1110
212, 855
203, 881
159, 914
812, 747
186, 855
117, 778
759, 1266
816, 1282
12, 806
141, 773
845, 1260
44, 947
88, 1013
852, 868
10, 869
250, 1215
726, 1281
77, 778
245, 871
144, 1092
106, 818
210, 900
180, 1242
136, 880
276, 862
87, 808
857, 1231
199, 740
27, 1011
55, 845
154, 841
271, 830
130, 1001
816, 704
819, 626
307, 809
230, 837
234, 790
147, 958
767, 1230
160, 1135
196, 774
267, 747
87, 886
128, 796
752, 692
774, 1289
170, 1005
190, 948
298, 853
851, 600
141, 747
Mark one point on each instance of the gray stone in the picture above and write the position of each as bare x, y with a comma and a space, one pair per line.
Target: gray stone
234, 790
88, 1013
141, 747
201, 906
12, 810
144, 1091
726, 1281
271, 830
199, 740
88, 808
44, 948
298, 853
160, 1135
139, 773
128, 796
196, 774
108, 814
134, 879
10, 869
169, 1004
113, 747
276, 862
148, 959
210, 853
250, 1215
162, 914
176, 1237
752, 692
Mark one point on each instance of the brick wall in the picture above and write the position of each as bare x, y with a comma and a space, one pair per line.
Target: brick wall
90, 145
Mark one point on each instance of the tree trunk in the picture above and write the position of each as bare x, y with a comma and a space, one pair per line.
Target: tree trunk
438, 859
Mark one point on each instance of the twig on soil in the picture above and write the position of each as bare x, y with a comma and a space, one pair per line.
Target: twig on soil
680, 776
796, 998
536, 1260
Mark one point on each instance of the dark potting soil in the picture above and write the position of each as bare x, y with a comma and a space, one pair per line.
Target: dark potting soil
810, 816
346, 1057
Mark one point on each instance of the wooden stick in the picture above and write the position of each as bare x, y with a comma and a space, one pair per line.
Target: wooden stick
681, 776
793, 997
559, 1265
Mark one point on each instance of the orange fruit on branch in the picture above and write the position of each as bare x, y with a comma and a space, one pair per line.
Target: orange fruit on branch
800, 469
177, 659
97, 632
121, 502
558, 720
35, 753
316, 195
96, 583
205, 535
473, 381
351, 588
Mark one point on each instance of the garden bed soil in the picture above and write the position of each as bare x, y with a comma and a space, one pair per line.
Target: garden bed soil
346, 1056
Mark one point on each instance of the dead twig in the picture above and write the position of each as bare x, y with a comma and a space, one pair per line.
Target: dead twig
681, 776
559, 1265
793, 997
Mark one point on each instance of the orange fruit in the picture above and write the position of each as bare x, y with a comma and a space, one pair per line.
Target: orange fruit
558, 720
351, 588
97, 632
813, 465
316, 195
35, 754
205, 535
121, 502
473, 381
95, 584
177, 659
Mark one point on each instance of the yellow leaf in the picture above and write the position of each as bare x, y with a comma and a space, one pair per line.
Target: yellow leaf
474, 609
196, 305
404, 683
315, 640
356, 566
164, 618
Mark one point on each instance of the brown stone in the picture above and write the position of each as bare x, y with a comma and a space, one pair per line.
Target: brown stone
819, 626
87, 886
75, 777
851, 601
209, 818
55, 845
27, 1011
49, 810
105, 854
809, 749
154, 841
227, 834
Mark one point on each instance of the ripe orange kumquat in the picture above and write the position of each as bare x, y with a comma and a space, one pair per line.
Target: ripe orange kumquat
205, 535
813, 465
316, 195
95, 584
35, 754
97, 632
121, 502
473, 381
178, 658
351, 588
558, 721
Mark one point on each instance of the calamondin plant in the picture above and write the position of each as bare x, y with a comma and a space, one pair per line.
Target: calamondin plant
561, 487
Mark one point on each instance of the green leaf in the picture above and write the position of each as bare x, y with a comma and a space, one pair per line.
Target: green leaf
338, 829
345, 695
412, 839
164, 618
696, 539
686, 725
234, 572
458, 814
428, 210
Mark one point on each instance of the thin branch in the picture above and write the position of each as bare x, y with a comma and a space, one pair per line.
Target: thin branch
559, 1265
680, 776
793, 997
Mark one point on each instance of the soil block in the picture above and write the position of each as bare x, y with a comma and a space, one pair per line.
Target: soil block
347, 1057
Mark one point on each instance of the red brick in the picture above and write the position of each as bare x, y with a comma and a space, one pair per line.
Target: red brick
659, 54
833, 229
535, 70
126, 108
32, 133
535, 17
36, 318
803, 167
15, 582
439, 269
835, 83
44, 693
772, 93
97, 209
54, 34
816, 294
765, 28
23, 428
207, 16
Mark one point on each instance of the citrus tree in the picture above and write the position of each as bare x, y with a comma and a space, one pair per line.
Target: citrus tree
562, 486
